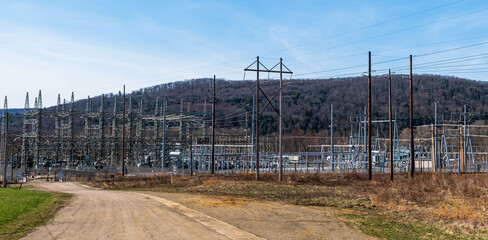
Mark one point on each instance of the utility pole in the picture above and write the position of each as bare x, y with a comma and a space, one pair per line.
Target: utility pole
191, 156
269, 102
257, 118
11, 163
435, 137
433, 166
391, 125
246, 163
253, 129
464, 139
281, 121
332, 161
370, 162
163, 163
123, 134
461, 150
412, 145
213, 129
5, 138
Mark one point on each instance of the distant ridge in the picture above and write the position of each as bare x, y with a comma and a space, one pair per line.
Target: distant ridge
306, 102
13, 111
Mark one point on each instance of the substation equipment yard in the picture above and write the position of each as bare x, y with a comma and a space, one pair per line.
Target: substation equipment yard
178, 141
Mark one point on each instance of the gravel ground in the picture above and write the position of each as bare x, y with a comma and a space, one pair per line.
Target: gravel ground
104, 214
270, 220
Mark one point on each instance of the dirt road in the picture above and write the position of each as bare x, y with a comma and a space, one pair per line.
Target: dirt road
103, 214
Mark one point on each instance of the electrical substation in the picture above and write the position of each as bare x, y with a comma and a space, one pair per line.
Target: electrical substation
121, 138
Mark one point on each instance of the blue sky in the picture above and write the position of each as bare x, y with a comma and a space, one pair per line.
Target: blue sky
94, 47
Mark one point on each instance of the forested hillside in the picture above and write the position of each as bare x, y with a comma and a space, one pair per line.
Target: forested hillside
307, 103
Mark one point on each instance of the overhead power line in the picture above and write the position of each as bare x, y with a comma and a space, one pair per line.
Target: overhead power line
406, 67
449, 50
394, 32
299, 45
389, 50
366, 27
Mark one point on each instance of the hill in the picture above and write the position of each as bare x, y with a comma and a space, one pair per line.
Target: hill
307, 102
13, 111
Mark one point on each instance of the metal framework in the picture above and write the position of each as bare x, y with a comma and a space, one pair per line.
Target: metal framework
68, 138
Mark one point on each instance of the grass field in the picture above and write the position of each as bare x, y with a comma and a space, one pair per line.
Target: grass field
23, 210
430, 206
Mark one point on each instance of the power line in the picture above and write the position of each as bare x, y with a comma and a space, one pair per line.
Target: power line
242, 108
441, 62
351, 67
452, 66
358, 29
398, 59
459, 71
341, 34
390, 33
380, 51
228, 117
431, 44
455, 60
365, 27
452, 49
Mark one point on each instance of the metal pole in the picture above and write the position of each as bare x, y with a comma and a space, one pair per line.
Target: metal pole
332, 137
370, 167
281, 121
213, 129
253, 129
365, 132
412, 144
12, 165
5, 134
246, 163
433, 167
191, 156
391, 125
464, 140
435, 137
257, 119
163, 163
123, 134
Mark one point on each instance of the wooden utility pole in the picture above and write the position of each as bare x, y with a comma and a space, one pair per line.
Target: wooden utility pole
213, 129
370, 162
412, 144
123, 134
392, 167
461, 150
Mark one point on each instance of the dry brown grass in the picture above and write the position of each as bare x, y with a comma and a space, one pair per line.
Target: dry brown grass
459, 209
375, 201
133, 181
451, 199
210, 181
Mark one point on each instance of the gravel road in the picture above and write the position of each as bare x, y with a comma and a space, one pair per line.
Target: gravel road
104, 214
